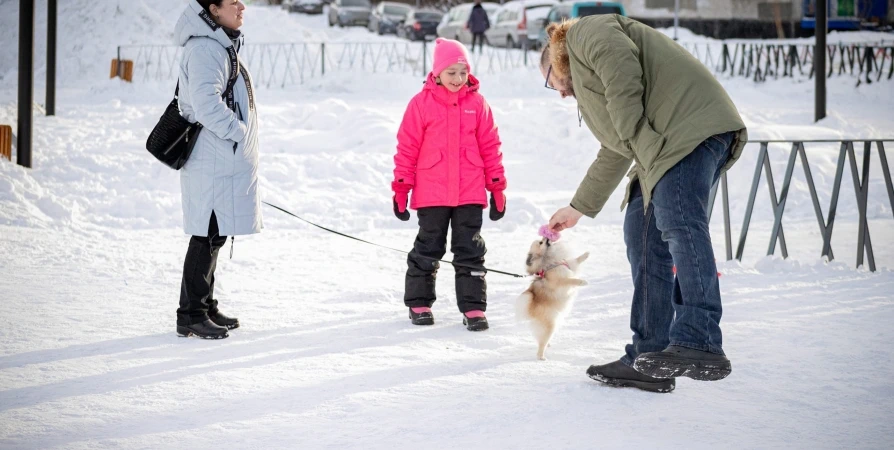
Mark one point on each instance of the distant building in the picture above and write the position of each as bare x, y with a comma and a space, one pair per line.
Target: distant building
760, 18
744, 18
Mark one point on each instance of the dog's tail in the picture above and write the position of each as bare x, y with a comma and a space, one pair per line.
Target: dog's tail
523, 306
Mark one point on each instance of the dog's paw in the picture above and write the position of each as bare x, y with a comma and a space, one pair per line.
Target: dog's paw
541, 358
583, 257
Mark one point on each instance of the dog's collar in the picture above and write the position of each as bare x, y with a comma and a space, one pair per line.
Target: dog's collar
543, 272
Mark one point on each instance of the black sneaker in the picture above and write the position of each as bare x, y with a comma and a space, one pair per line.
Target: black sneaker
677, 361
475, 323
204, 330
618, 374
422, 318
221, 320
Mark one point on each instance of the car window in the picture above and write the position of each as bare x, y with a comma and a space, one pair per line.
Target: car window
565, 12
592, 10
396, 10
355, 3
428, 17
537, 12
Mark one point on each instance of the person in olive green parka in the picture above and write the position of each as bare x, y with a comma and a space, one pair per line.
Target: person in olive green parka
654, 107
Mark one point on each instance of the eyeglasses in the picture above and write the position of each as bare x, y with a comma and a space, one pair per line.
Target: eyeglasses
546, 83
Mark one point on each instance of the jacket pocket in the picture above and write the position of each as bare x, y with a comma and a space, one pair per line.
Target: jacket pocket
646, 146
241, 119
428, 159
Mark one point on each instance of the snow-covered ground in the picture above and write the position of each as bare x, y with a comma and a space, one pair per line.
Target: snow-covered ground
92, 253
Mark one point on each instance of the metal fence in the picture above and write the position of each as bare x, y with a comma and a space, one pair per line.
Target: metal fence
284, 64
760, 61
825, 222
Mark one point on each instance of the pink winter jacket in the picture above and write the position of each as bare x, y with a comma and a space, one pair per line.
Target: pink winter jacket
448, 148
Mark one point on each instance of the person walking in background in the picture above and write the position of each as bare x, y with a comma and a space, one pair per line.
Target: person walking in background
448, 153
219, 183
478, 23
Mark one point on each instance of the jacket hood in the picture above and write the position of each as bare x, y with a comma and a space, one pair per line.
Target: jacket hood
196, 22
558, 49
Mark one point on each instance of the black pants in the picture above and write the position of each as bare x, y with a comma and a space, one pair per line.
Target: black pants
197, 287
479, 38
467, 247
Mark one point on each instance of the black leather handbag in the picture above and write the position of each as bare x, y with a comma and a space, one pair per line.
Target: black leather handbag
173, 138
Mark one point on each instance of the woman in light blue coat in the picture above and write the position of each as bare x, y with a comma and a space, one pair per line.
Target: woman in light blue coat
219, 183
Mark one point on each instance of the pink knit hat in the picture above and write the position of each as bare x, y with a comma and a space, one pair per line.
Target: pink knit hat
449, 52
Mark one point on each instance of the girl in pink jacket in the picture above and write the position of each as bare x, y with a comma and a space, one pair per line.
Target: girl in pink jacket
448, 153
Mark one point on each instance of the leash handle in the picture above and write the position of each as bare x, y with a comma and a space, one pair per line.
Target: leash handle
455, 264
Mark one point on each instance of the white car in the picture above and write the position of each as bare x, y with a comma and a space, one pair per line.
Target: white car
453, 25
517, 23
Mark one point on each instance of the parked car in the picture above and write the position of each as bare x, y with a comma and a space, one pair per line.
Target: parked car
576, 10
453, 25
387, 16
419, 25
349, 12
518, 23
304, 6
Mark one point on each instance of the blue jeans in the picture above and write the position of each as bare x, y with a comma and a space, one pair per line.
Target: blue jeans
674, 231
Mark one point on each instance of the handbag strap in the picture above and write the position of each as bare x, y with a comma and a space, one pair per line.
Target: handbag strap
234, 74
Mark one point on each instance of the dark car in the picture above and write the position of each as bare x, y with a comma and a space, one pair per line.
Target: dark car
349, 12
387, 16
304, 6
421, 24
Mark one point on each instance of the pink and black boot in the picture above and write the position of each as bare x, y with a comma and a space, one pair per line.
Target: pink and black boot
475, 320
422, 316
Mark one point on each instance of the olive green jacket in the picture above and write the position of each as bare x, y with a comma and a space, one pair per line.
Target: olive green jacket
646, 99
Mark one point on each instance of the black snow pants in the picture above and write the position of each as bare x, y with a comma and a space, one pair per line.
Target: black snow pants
467, 247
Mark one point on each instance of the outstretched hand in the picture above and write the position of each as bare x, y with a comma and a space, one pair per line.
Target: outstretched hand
564, 218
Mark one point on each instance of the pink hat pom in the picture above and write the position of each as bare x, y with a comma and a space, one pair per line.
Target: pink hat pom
549, 234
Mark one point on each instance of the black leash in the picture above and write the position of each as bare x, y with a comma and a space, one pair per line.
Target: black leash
468, 266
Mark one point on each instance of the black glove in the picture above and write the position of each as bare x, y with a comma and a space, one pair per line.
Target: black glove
496, 213
405, 215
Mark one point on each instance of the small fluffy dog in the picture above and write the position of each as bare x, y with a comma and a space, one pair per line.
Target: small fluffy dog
551, 293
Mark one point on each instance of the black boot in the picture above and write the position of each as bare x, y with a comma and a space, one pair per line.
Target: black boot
475, 323
619, 374
677, 361
204, 330
423, 318
221, 320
